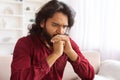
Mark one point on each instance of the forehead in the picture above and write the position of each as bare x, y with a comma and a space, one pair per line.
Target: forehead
60, 18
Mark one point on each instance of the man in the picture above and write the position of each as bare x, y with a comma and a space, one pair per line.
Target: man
42, 55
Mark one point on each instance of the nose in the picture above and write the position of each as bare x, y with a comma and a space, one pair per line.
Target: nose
60, 30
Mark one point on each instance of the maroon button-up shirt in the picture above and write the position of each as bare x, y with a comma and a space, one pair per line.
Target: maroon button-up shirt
29, 62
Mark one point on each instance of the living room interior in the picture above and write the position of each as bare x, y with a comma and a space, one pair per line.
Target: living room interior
96, 31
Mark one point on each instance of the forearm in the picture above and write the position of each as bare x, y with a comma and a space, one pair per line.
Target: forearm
72, 55
52, 58
83, 68
81, 65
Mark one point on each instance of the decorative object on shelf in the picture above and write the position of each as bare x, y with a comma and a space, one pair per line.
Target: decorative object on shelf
32, 20
2, 23
28, 8
18, 0
8, 10
7, 39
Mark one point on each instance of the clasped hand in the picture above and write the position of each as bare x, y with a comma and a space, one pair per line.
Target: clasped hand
61, 43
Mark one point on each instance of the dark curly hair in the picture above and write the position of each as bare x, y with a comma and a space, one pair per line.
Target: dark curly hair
47, 11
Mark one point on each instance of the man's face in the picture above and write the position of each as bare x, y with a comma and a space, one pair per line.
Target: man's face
55, 25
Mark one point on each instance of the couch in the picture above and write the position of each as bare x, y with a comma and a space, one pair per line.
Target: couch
105, 70
5, 62
94, 59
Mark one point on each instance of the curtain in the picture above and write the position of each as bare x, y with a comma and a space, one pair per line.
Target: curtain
97, 26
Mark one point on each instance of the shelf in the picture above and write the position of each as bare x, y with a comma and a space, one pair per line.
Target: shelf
9, 29
15, 17
34, 1
29, 12
11, 15
12, 2
7, 43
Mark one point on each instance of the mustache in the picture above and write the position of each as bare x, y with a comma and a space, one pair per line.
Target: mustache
61, 34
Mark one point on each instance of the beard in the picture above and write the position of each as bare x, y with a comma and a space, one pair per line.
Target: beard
47, 36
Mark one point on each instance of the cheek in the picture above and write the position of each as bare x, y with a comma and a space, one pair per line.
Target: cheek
64, 31
51, 31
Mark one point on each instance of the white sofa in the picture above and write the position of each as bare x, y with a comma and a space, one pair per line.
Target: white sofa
5, 63
94, 59
106, 70
109, 70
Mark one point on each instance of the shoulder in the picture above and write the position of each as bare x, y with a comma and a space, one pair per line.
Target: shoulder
23, 46
26, 40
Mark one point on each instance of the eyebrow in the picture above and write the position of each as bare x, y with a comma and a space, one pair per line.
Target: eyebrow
59, 24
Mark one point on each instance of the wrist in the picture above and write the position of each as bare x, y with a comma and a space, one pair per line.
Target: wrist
72, 55
69, 51
57, 54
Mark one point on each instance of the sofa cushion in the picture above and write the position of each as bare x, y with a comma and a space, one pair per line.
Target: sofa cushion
69, 73
99, 77
110, 69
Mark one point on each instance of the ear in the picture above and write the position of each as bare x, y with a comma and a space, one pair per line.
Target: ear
42, 24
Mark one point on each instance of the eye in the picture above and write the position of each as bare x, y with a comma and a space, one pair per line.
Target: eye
55, 25
65, 26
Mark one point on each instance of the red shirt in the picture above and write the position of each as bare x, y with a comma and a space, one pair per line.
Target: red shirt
29, 62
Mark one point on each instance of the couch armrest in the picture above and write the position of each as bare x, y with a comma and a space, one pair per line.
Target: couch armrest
5, 63
110, 69
92, 56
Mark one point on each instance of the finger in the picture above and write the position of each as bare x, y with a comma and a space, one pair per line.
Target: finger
63, 37
59, 38
55, 39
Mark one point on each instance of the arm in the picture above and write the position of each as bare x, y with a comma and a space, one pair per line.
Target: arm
22, 68
81, 66
57, 52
